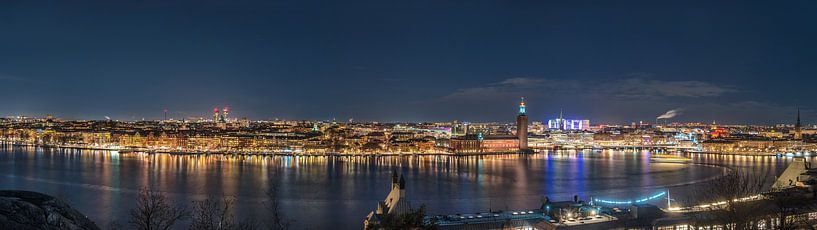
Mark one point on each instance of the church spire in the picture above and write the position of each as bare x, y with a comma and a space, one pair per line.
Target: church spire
798, 125
561, 111
561, 120
798, 132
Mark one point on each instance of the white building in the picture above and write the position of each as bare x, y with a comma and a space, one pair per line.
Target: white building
566, 124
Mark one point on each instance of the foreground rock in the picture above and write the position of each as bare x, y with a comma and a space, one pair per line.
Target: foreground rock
26, 210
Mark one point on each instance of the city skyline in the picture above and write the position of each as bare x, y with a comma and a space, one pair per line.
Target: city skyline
422, 114
218, 114
419, 61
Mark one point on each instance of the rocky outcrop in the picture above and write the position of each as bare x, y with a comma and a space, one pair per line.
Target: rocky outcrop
27, 210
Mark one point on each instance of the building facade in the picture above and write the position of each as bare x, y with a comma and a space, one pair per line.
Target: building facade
566, 124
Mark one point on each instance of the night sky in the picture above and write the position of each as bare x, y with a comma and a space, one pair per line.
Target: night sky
608, 61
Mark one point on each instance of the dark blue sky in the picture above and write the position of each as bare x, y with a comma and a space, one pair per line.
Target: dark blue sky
609, 61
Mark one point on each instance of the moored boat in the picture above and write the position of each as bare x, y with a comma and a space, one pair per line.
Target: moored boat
667, 158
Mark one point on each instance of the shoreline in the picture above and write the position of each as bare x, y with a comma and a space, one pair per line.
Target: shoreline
184, 152
172, 152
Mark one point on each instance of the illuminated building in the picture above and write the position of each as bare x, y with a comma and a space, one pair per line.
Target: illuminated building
772, 134
200, 135
749, 146
479, 143
482, 143
718, 132
459, 128
522, 126
502, 144
565, 124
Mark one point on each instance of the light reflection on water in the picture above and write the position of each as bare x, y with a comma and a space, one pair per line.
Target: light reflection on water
324, 192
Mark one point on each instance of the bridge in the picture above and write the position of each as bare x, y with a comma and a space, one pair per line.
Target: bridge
620, 147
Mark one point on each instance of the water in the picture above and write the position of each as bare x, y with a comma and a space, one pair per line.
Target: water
337, 192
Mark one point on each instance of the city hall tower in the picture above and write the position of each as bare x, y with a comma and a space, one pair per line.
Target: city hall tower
522, 126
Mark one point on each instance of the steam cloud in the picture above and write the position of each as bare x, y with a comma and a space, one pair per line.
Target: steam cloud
670, 114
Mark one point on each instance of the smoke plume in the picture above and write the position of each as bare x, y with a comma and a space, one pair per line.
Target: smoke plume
670, 114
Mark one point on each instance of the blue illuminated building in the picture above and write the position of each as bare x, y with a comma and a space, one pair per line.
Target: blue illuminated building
566, 124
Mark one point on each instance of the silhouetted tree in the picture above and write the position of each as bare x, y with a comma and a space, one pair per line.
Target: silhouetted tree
154, 212
729, 190
789, 208
276, 218
412, 220
213, 214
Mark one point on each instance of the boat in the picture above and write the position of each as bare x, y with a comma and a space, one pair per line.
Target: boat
667, 158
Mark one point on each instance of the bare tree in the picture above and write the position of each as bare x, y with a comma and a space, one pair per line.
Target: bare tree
277, 220
789, 208
154, 212
213, 214
412, 220
728, 198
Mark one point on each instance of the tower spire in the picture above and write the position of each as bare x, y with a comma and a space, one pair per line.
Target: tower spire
561, 111
798, 132
797, 125
522, 106
561, 119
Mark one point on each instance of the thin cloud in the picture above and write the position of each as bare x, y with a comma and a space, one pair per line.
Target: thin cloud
508, 87
640, 88
631, 88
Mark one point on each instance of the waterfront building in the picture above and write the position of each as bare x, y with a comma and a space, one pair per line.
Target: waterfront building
522, 126
486, 138
756, 146
479, 143
568, 124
